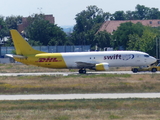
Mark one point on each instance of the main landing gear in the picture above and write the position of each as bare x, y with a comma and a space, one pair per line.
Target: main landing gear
82, 71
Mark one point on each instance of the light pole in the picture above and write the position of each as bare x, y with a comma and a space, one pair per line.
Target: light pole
1, 43
156, 48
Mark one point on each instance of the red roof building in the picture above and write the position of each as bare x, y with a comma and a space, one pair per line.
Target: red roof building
25, 23
111, 26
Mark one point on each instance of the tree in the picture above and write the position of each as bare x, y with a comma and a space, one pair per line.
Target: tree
119, 15
103, 39
143, 12
13, 21
121, 35
134, 42
44, 32
154, 13
129, 15
87, 24
146, 42
3, 28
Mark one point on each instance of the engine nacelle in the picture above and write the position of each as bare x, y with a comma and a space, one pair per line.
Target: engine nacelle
102, 67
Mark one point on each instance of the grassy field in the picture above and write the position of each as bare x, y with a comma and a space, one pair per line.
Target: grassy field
120, 109
100, 109
18, 68
104, 83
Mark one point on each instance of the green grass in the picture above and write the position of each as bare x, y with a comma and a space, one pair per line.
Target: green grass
100, 109
102, 83
119, 109
99, 75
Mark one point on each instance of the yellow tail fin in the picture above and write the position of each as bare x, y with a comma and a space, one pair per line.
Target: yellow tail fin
21, 45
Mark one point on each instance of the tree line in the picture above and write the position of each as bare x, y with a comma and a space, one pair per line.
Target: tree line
128, 36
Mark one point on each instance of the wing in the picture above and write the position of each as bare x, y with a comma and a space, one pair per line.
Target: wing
93, 66
85, 65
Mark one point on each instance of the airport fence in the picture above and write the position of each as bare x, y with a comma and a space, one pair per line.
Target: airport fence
50, 49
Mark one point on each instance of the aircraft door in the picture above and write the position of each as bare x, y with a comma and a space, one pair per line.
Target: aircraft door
146, 57
138, 59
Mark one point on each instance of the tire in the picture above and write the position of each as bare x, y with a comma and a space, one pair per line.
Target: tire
82, 71
154, 69
134, 70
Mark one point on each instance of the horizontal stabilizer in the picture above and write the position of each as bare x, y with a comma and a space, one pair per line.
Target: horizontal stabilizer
16, 56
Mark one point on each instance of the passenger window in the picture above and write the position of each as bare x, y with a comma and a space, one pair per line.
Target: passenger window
146, 55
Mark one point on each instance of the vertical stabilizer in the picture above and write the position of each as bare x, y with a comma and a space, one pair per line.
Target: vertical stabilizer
21, 45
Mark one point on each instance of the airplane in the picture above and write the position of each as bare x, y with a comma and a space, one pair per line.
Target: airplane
99, 61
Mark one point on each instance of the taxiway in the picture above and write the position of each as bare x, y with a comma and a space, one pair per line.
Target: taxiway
73, 73
79, 96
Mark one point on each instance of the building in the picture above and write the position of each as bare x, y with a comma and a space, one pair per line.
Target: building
25, 23
111, 26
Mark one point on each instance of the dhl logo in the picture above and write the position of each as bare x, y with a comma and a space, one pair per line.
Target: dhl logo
48, 60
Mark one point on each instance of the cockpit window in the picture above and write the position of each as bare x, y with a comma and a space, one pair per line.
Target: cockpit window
146, 55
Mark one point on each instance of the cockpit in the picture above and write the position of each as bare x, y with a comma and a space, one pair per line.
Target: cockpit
149, 59
146, 55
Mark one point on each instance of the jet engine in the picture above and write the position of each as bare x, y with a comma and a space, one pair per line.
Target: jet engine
102, 67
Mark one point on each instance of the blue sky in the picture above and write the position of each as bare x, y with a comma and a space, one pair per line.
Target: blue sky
64, 11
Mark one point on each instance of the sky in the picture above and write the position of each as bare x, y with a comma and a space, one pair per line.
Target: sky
65, 11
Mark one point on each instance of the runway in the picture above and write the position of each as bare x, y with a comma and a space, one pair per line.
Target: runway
79, 96
73, 73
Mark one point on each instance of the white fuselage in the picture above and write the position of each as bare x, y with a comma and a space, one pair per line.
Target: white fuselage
113, 58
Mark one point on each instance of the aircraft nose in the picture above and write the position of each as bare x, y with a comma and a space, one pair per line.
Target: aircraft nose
152, 60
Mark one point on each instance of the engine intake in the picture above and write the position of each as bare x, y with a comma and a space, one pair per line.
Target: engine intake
102, 67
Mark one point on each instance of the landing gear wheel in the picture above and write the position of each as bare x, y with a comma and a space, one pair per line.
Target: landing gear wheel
154, 70
134, 70
82, 71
